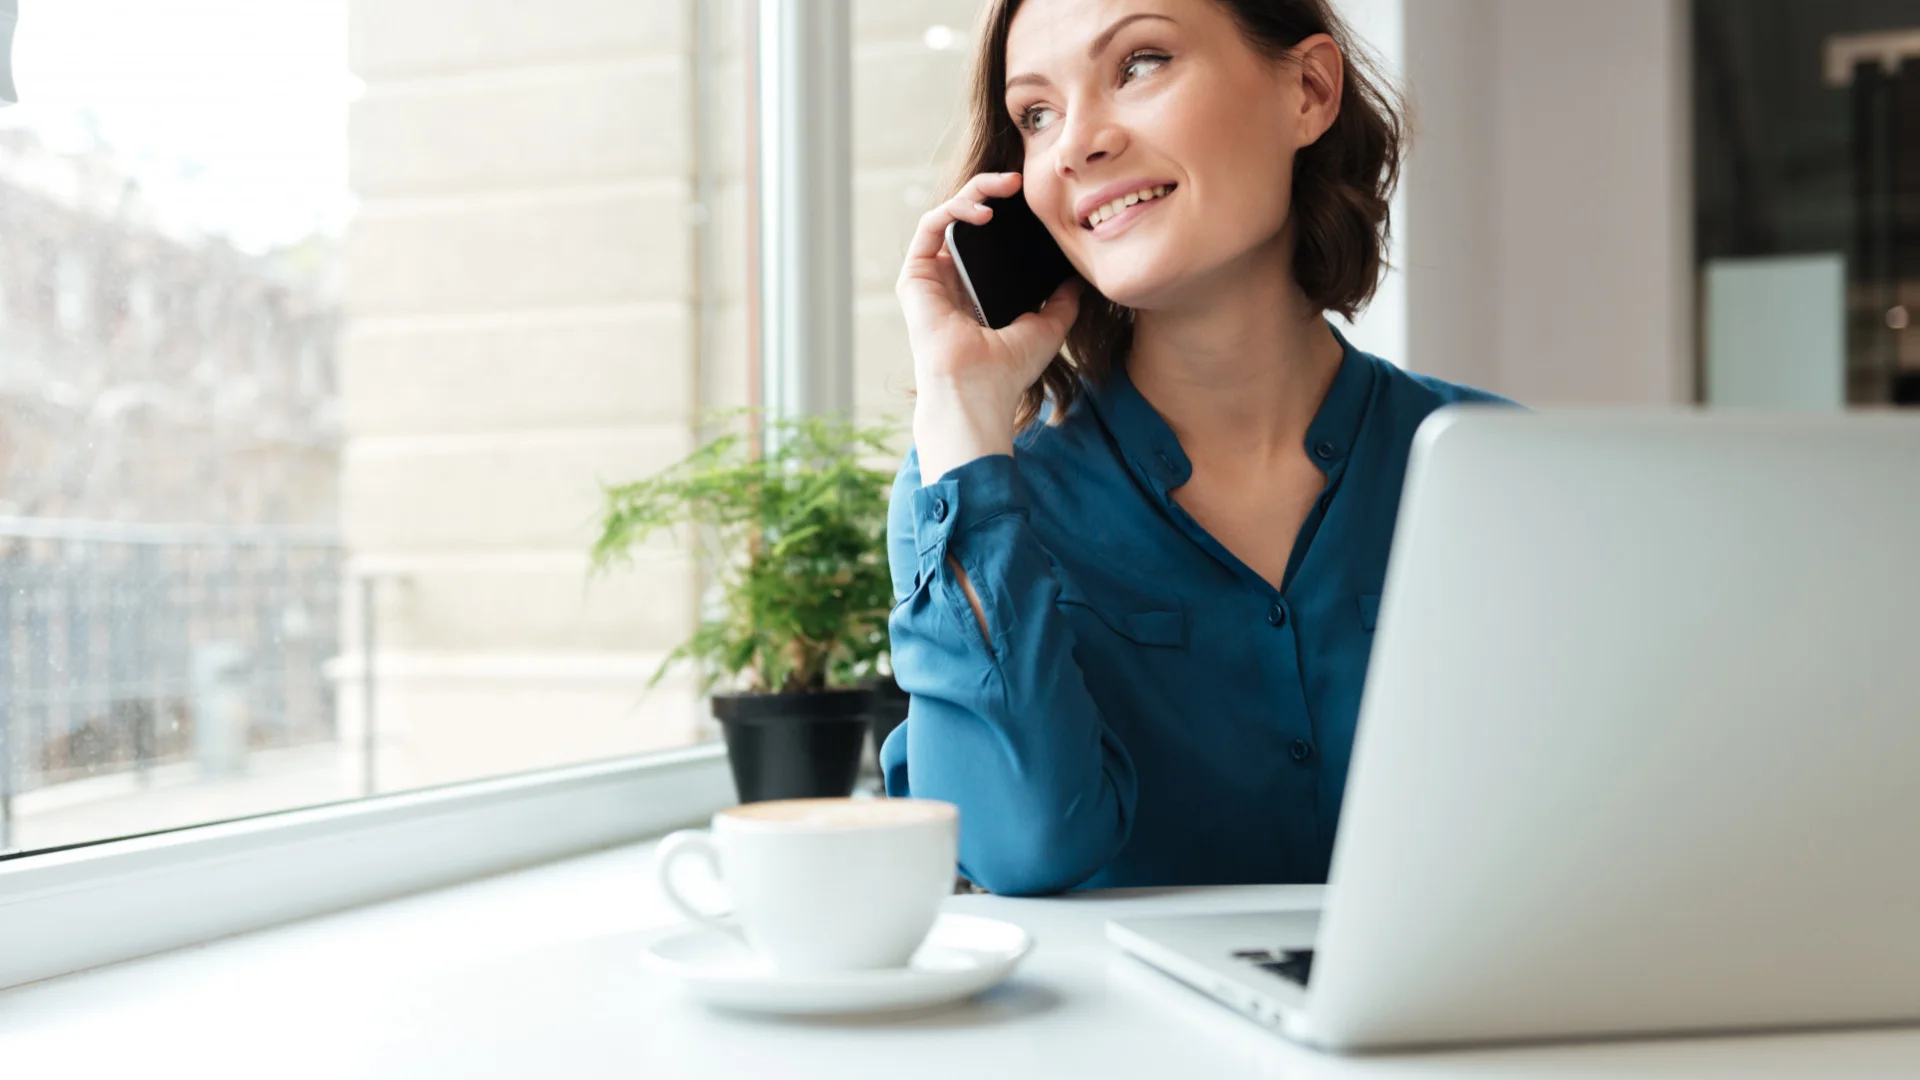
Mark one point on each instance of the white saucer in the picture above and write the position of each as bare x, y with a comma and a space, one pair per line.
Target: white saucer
963, 955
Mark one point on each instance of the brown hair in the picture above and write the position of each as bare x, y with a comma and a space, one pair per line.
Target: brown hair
1342, 184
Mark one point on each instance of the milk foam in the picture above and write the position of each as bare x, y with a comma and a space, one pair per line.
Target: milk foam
842, 813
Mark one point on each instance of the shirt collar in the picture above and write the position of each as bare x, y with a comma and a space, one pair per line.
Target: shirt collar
1336, 427
1142, 434
1151, 447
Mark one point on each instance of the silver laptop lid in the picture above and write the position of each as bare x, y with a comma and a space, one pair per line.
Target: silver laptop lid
1640, 744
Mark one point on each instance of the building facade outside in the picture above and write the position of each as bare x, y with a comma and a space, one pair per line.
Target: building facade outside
152, 375
169, 445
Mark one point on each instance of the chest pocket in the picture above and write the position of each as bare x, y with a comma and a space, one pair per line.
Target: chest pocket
1142, 618
1369, 612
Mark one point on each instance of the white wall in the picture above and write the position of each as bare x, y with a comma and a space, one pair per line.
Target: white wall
1548, 226
1382, 328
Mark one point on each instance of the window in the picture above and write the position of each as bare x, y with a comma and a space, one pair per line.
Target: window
399, 292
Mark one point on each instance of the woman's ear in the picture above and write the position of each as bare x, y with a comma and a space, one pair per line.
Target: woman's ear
1320, 72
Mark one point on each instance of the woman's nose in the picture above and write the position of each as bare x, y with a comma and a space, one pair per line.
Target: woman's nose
1091, 136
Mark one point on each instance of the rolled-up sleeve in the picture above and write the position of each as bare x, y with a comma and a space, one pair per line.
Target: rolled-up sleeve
1001, 725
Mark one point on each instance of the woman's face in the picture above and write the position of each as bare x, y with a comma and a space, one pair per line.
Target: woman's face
1118, 97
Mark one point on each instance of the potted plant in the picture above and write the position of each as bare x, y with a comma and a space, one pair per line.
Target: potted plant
797, 538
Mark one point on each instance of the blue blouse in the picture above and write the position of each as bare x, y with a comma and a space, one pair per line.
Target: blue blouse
1151, 711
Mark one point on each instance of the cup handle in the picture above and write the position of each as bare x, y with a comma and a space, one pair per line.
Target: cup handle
694, 842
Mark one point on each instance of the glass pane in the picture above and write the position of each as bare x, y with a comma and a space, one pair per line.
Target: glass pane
910, 67
1807, 122
322, 323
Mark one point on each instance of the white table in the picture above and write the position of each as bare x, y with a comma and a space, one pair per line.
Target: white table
534, 974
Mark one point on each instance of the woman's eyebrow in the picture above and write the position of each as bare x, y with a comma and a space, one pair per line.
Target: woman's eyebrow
1093, 51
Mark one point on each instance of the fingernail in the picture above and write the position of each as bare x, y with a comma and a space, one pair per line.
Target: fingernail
981, 206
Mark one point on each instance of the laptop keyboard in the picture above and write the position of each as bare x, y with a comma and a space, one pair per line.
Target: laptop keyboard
1293, 965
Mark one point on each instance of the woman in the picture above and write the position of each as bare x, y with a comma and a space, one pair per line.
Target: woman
1136, 583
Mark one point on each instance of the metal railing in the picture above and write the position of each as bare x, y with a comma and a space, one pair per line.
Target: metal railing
129, 646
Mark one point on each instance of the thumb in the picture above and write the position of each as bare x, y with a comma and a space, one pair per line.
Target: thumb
1043, 331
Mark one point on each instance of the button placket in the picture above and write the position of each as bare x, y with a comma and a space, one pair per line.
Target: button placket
1298, 749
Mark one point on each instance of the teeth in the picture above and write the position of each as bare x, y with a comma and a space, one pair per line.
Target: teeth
1104, 212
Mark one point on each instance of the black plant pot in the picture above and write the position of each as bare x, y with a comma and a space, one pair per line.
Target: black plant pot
889, 708
794, 746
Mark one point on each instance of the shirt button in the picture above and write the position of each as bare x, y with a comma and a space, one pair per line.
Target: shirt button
1277, 615
939, 509
1324, 451
1300, 751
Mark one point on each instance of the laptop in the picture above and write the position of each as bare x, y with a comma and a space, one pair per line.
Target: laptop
1638, 751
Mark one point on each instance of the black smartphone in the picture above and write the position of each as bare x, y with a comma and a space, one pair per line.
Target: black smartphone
1010, 265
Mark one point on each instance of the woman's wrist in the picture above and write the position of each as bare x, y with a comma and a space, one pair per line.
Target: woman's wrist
952, 427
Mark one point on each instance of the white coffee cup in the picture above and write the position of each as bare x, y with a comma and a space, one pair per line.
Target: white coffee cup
822, 885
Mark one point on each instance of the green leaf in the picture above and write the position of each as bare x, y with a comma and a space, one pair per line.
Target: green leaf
798, 544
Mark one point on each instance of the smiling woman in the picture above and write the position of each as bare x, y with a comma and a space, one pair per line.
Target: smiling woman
1337, 190
1135, 633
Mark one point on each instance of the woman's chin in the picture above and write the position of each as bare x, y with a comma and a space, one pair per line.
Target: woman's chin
1137, 289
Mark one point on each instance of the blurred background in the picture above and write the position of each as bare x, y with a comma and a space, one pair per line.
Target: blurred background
323, 321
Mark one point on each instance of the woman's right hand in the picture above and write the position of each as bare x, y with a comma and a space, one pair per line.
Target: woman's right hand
968, 379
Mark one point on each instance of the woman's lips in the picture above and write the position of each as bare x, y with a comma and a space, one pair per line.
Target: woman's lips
1124, 220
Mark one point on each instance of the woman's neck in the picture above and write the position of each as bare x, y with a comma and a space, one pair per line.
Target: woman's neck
1240, 373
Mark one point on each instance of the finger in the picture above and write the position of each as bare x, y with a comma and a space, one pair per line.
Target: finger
1042, 332
966, 205
930, 233
938, 275
990, 186
1063, 306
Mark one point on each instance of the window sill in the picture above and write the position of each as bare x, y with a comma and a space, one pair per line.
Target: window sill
65, 911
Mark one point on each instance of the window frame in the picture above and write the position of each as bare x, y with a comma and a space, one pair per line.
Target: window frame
71, 909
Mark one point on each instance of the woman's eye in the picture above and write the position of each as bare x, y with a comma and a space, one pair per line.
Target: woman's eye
1036, 117
1142, 60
